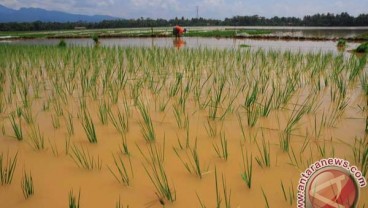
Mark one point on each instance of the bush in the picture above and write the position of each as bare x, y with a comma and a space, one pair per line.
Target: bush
341, 42
62, 44
95, 38
362, 48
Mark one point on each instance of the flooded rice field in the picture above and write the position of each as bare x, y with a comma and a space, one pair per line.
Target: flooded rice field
203, 126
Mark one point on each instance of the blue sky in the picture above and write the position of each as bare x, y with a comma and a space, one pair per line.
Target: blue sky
217, 9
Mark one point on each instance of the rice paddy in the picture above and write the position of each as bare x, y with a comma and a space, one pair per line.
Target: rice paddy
155, 127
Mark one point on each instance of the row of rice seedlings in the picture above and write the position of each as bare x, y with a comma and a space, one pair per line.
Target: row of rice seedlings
147, 128
247, 173
27, 185
122, 175
89, 127
222, 151
289, 195
16, 126
74, 202
7, 168
37, 139
192, 162
83, 158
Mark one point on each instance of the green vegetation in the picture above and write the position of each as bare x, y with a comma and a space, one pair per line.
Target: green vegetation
62, 43
27, 185
73, 201
341, 43
7, 168
362, 48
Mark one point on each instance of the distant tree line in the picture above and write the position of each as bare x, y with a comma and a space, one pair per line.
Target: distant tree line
343, 19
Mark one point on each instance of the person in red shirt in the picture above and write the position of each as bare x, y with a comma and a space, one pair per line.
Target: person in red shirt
178, 31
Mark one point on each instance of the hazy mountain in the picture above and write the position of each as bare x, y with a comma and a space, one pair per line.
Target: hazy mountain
36, 14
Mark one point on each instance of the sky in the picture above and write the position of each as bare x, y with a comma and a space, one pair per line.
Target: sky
215, 9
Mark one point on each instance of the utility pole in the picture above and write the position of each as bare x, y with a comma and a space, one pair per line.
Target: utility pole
197, 12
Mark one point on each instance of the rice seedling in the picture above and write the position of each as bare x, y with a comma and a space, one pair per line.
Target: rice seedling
89, 127
265, 198
182, 119
157, 175
264, 160
217, 98
122, 175
186, 146
37, 139
120, 205
253, 114
211, 128
83, 158
69, 125
55, 122
174, 89
289, 196
360, 153
147, 128
241, 126
200, 201
27, 115
121, 122
226, 195
27, 185
7, 168
247, 173
192, 164
222, 150
74, 202
103, 112
17, 127
124, 149
364, 83
54, 148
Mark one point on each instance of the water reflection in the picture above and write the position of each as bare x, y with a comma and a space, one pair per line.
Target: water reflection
178, 42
